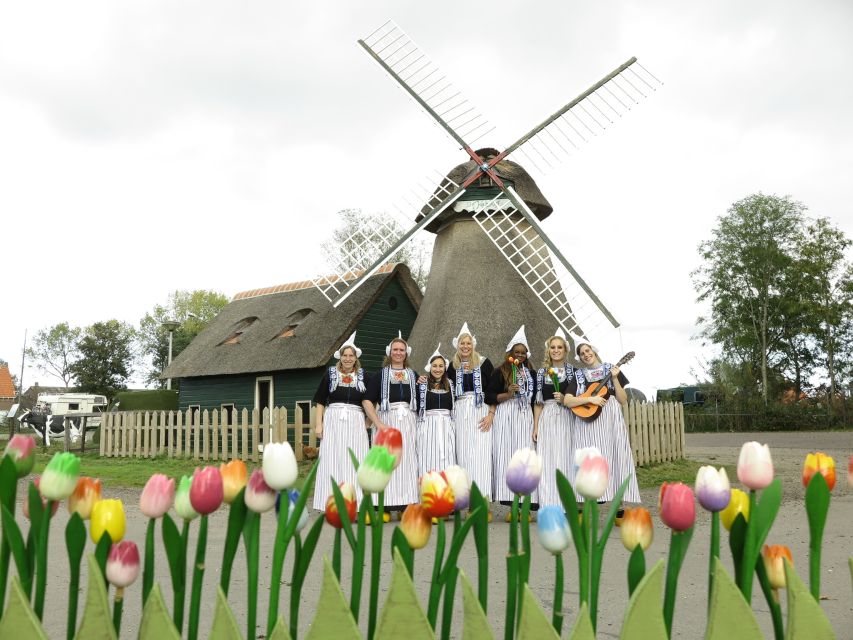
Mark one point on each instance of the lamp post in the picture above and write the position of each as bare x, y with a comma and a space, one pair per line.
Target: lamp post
170, 326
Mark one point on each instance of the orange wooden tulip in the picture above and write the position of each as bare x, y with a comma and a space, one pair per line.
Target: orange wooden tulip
819, 463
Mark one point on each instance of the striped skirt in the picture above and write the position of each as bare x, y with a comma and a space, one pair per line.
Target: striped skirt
343, 428
402, 490
436, 447
553, 445
473, 447
512, 430
610, 435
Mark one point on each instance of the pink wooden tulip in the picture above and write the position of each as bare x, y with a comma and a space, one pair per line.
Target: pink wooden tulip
207, 490
754, 466
123, 564
677, 506
259, 497
156, 498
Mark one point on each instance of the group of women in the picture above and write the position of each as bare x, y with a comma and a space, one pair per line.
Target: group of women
467, 412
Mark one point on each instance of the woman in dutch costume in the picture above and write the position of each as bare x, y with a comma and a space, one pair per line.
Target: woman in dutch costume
393, 388
552, 422
473, 412
513, 387
340, 422
608, 432
436, 447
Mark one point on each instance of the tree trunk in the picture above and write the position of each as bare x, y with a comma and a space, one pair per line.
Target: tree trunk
830, 367
764, 353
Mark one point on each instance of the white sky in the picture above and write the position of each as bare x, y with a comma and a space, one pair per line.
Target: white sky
148, 147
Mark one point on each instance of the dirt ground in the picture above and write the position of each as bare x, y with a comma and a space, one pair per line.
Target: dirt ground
790, 528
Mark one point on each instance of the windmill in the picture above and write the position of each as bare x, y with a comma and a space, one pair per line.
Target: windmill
493, 265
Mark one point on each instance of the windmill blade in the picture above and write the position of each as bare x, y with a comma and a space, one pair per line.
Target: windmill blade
579, 121
421, 78
357, 259
522, 242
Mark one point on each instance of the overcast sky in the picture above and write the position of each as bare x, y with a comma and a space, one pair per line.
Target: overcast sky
149, 147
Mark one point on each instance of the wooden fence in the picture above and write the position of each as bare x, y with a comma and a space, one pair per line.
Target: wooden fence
656, 432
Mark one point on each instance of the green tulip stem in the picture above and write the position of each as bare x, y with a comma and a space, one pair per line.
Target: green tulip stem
750, 553
304, 554
237, 512
41, 560
75, 543
118, 604
9, 499
447, 610
279, 551
772, 597
376, 523
512, 570
148, 566
524, 562
817, 507
679, 542
557, 617
358, 557
636, 568
252, 553
435, 586
198, 578
715, 553
295, 587
584, 563
336, 555
594, 563
181, 589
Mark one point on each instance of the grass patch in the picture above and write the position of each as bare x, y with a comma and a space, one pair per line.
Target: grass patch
675, 471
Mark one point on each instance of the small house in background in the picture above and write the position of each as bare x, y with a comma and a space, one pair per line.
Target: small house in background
7, 389
269, 347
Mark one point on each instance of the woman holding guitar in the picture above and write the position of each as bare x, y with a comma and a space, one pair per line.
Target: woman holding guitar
596, 395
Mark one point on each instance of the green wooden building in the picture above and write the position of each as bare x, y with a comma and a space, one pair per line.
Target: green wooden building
268, 347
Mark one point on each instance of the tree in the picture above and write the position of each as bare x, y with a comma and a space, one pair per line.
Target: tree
742, 277
55, 349
360, 238
106, 357
193, 310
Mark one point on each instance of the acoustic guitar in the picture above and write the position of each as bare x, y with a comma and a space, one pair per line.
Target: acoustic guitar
589, 412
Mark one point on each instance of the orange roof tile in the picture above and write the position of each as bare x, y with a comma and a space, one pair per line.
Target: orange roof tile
7, 389
307, 284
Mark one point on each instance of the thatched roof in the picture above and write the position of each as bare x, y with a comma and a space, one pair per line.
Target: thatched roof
263, 315
506, 170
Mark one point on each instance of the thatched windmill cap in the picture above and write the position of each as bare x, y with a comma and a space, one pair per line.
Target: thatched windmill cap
507, 170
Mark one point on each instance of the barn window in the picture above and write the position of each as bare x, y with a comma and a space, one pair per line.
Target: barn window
237, 331
294, 320
306, 411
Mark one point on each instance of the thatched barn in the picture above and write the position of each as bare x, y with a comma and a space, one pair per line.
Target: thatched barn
268, 347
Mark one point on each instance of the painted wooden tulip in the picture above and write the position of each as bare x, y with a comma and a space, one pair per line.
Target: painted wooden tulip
22, 450
637, 529
107, 517
592, 473
26, 506
86, 494
524, 472
60, 476
553, 529
333, 516
280, 470
460, 483
157, 496
259, 496
738, 503
755, 466
774, 562
677, 506
206, 490
234, 477
436, 494
391, 439
183, 506
123, 564
375, 471
292, 498
712, 488
416, 525
819, 463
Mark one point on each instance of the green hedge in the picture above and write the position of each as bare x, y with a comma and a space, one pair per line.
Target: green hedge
148, 400
774, 417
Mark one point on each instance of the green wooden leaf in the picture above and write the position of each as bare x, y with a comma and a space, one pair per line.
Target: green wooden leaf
156, 622
97, 622
8, 482
737, 540
475, 625
224, 624
730, 616
402, 616
334, 619
16, 544
583, 626
19, 620
279, 631
534, 624
817, 505
75, 538
644, 617
806, 619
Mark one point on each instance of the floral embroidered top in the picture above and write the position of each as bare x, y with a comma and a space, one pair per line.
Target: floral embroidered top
337, 387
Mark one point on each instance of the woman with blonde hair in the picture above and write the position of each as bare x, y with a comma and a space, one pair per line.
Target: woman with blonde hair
393, 389
473, 410
340, 422
552, 422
